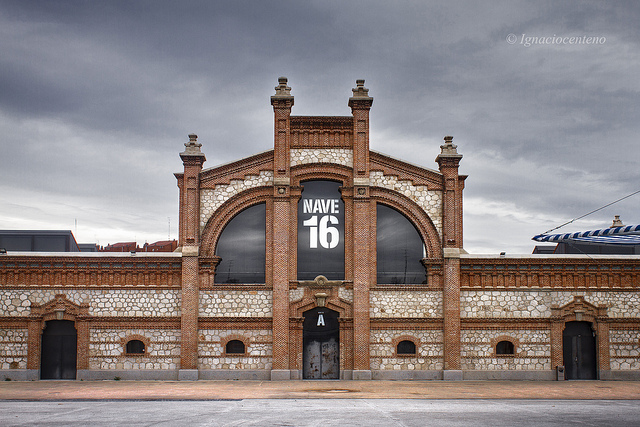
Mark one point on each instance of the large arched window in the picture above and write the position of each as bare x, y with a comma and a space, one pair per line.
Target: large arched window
400, 249
242, 247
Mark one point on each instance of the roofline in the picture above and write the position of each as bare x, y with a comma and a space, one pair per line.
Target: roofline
27, 254
549, 256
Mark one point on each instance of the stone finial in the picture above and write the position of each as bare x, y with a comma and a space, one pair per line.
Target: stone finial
282, 89
360, 99
448, 153
617, 222
449, 148
192, 148
360, 91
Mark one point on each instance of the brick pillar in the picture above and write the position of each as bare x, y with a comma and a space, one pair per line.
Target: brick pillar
602, 335
33, 347
449, 161
82, 329
557, 327
363, 249
281, 222
189, 183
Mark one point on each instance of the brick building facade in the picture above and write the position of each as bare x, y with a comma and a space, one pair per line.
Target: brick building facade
319, 259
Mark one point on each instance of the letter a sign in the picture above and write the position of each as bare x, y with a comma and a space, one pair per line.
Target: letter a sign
320, 320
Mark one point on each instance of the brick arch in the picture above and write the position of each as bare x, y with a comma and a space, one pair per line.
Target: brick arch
512, 340
401, 338
59, 308
146, 341
418, 217
320, 171
226, 212
234, 337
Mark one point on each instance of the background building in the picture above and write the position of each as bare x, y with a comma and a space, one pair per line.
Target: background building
38, 240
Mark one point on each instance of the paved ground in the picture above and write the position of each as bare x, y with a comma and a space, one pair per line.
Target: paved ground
323, 389
322, 412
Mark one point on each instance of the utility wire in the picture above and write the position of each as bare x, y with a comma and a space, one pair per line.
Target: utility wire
594, 211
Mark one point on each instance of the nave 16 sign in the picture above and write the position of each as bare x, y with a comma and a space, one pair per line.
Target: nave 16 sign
321, 231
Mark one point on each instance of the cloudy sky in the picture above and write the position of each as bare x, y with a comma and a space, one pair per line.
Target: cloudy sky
97, 99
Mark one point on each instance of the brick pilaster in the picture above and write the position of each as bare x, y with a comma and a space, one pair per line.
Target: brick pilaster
451, 309
82, 329
557, 326
604, 353
363, 248
449, 161
189, 317
189, 183
281, 222
33, 343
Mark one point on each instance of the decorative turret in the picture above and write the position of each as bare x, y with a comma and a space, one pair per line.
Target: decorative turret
360, 104
449, 162
189, 183
282, 102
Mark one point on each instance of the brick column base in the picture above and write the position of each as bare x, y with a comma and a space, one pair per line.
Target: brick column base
361, 374
452, 375
280, 374
188, 375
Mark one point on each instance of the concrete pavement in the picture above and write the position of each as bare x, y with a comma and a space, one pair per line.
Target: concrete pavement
319, 389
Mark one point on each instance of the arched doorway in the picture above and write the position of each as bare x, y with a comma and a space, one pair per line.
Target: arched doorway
59, 351
579, 351
321, 344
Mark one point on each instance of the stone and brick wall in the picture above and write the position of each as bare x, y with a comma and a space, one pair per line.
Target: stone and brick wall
235, 303
429, 350
212, 199
258, 349
13, 348
395, 303
340, 156
107, 349
625, 349
429, 200
532, 349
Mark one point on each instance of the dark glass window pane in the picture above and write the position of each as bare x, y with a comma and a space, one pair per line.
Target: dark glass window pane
135, 347
504, 347
235, 346
406, 347
321, 231
400, 249
242, 247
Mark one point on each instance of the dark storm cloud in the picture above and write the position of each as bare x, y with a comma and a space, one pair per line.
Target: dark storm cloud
96, 99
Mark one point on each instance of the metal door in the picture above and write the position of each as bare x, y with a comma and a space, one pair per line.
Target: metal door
321, 344
579, 351
59, 351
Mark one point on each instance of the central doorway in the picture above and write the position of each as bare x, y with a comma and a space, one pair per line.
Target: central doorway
59, 351
321, 344
579, 351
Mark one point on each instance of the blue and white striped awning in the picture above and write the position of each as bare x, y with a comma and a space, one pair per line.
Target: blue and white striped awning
624, 235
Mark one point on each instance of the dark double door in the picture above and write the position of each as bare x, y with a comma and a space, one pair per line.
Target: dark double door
321, 344
579, 351
59, 351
